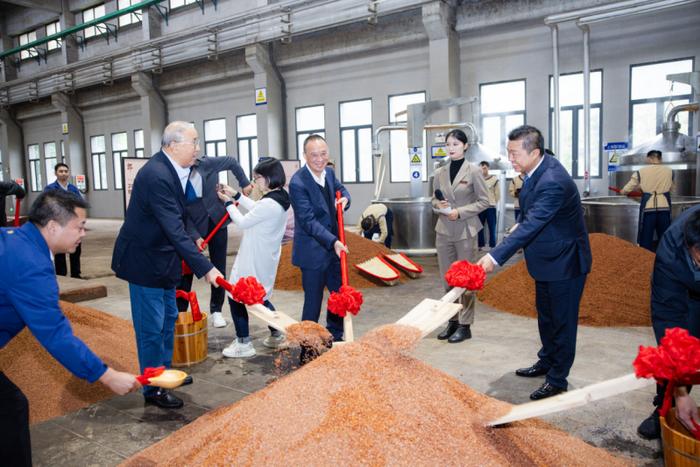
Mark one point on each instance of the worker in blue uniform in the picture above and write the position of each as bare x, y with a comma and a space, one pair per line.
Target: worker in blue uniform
29, 297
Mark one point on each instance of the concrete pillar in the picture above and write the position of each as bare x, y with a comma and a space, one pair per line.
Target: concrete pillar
8, 72
154, 112
11, 145
443, 48
73, 133
271, 116
69, 48
150, 23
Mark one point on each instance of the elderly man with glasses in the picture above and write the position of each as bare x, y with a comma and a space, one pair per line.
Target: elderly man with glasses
149, 247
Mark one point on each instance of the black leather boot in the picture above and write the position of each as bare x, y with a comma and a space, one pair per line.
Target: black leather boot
448, 331
461, 334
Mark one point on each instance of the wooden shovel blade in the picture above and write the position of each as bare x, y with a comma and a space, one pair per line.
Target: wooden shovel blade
276, 319
429, 315
575, 398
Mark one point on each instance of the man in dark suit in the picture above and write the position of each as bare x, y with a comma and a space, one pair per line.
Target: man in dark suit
553, 234
316, 248
149, 246
675, 303
204, 210
62, 172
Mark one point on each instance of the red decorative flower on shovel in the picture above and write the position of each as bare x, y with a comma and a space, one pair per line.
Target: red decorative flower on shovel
344, 301
465, 275
248, 290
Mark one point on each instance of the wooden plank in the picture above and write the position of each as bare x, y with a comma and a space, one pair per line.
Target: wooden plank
575, 398
276, 319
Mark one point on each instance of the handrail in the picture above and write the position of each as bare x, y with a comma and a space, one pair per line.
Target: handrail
80, 27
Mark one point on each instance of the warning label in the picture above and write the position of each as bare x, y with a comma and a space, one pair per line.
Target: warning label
415, 159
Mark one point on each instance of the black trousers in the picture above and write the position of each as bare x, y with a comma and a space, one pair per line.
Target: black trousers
217, 254
59, 261
15, 447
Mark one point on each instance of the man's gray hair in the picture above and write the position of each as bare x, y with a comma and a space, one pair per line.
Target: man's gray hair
174, 132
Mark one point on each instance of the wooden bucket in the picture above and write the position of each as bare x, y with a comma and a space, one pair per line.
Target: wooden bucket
680, 448
191, 340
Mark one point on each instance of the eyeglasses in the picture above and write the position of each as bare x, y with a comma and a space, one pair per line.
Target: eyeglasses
194, 142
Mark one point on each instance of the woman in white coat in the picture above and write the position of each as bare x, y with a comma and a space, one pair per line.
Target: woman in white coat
259, 254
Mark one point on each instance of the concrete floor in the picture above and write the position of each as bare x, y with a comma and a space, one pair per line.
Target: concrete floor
107, 432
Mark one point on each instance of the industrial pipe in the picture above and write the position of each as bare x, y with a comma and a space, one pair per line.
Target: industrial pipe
671, 119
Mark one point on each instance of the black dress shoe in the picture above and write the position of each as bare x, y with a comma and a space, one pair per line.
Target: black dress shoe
162, 398
461, 334
546, 390
448, 331
187, 380
530, 372
650, 428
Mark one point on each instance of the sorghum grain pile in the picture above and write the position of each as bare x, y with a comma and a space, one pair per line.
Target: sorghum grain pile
368, 403
51, 389
617, 291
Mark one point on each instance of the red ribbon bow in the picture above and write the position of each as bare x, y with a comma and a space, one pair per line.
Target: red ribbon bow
676, 361
194, 303
248, 291
148, 373
466, 275
344, 301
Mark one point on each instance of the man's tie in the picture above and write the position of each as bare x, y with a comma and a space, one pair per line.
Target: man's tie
190, 194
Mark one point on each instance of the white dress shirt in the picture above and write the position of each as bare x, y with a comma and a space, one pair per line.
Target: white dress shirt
183, 173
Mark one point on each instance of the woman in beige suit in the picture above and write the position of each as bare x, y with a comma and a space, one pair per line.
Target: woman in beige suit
459, 195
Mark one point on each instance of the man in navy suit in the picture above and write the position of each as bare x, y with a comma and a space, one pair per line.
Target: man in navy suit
204, 210
316, 248
62, 172
552, 232
149, 247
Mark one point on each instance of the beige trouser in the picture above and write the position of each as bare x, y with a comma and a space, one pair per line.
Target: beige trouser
448, 252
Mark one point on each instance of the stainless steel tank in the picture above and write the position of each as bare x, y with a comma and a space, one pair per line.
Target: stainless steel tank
619, 215
677, 152
414, 225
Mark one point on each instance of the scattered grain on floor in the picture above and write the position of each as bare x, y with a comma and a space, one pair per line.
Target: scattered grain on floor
368, 403
617, 291
51, 389
361, 249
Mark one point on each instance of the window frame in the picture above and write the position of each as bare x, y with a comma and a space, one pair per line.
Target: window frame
575, 124
660, 102
138, 148
502, 115
248, 141
35, 178
54, 44
101, 158
223, 176
134, 18
98, 29
355, 129
297, 133
31, 52
117, 162
391, 121
50, 168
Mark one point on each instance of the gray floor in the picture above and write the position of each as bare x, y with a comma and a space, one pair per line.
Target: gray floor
107, 432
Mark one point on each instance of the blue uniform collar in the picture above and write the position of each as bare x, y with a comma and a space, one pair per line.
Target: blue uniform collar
32, 232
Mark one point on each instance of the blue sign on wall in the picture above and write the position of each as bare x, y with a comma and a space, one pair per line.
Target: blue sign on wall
616, 145
416, 174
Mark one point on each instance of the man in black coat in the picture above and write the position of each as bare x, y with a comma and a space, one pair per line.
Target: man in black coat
149, 246
204, 210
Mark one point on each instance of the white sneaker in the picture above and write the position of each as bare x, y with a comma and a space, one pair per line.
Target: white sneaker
217, 320
239, 350
274, 342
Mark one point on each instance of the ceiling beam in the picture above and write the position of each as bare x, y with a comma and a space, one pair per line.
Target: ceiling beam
50, 5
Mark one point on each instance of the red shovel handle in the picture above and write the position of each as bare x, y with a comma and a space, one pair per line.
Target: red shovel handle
225, 284
341, 237
619, 191
185, 268
17, 203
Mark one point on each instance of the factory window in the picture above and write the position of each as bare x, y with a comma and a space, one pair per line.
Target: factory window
309, 120
215, 142
131, 18
50, 160
2, 174
571, 132
652, 96
179, 3
99, 163
119, 151
91, 14
138, 143
34, 167
63, 151
25, 39
247, 139
53, 28
356, 141
502, 109
398, 147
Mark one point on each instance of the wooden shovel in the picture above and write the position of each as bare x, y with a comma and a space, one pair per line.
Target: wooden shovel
431, 314
575, 398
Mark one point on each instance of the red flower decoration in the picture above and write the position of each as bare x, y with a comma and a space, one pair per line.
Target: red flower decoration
150, 372
465, 275
676, 361
248, 291
346, 300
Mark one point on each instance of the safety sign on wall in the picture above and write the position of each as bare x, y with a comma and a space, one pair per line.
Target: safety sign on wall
415, 156
438, 152
614, 150
260, 96
80, 182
